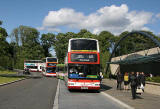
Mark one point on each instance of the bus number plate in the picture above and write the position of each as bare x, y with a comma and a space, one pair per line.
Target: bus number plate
84, 87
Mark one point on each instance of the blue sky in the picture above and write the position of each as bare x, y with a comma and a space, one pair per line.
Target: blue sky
55, 16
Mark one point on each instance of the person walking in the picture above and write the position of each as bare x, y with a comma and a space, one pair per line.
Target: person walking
119, 80
142, 81
126, 81
138, 80
133, 80
101, 76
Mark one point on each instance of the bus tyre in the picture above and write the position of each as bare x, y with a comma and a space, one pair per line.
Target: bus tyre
70, 90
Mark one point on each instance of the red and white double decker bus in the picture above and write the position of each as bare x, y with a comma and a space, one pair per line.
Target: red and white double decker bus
83, 64
33, 65
49, 66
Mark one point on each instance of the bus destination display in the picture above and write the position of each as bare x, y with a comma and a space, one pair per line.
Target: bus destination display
84, 57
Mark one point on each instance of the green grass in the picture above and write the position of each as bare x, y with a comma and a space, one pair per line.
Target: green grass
9, 79
7, 72
153, 79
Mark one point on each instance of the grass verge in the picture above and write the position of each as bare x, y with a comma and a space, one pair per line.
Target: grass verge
153, 79
7, 72
8, 79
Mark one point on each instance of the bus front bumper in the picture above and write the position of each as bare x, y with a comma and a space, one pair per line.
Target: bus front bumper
84, 87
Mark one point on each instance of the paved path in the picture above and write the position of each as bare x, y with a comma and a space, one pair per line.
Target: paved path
84, 100
144, 101
35, 93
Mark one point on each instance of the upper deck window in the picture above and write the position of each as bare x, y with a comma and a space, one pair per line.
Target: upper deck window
83, 44
51, 60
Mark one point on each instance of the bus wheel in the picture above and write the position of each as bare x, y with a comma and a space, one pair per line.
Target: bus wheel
70, 90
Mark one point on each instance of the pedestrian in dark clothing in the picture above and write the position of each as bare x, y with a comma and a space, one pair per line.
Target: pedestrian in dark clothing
142, 80
138, 80
119, 80
110, 76
133, 83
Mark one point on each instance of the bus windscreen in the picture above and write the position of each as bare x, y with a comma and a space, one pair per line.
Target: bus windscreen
32, 67
51, 69
83, 44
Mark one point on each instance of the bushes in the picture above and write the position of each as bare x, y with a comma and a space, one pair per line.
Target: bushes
153, 79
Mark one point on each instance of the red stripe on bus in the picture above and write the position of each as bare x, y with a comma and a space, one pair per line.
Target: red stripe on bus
89, 87
81, 80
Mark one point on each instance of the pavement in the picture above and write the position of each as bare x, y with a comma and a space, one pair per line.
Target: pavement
78, 99
143, 101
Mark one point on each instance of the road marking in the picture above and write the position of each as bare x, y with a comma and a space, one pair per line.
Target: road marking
55, 105
117, 101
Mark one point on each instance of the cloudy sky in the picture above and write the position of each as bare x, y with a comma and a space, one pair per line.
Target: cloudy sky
56, 16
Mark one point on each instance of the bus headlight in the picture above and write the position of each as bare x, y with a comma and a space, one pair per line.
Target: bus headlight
71, 84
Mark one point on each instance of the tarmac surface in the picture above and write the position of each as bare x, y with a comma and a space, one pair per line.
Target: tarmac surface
34, 93
143, 101
39, 93
84, 99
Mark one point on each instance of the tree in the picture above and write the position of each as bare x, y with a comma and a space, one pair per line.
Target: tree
134, 43
1, 22
106, 41
60, 46
27, 45
85, 34
47, 41
5, 57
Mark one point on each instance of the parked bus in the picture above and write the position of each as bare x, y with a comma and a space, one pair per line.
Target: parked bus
83, 64
49, 66
33, 65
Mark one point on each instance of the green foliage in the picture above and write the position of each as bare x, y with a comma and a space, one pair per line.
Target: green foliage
153, 79
47, 41
26, 45
134, 43
5, 57
1, 22
61, 45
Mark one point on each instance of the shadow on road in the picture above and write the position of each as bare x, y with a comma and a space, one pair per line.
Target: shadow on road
105, 87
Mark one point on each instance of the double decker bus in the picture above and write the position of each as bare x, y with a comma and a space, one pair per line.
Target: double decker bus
33, 65
49, 66
83, 64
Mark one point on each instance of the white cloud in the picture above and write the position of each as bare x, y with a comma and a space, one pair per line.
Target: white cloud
158, 15
115, 19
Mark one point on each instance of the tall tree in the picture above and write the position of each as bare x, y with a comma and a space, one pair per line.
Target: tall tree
0, 22
106, 41
27, 45
5, 57
47, 41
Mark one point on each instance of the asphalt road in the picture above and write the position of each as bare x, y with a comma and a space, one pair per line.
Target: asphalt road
84, 100
35, 93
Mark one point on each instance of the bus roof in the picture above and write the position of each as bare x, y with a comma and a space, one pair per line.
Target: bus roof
83, 38
83, 44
